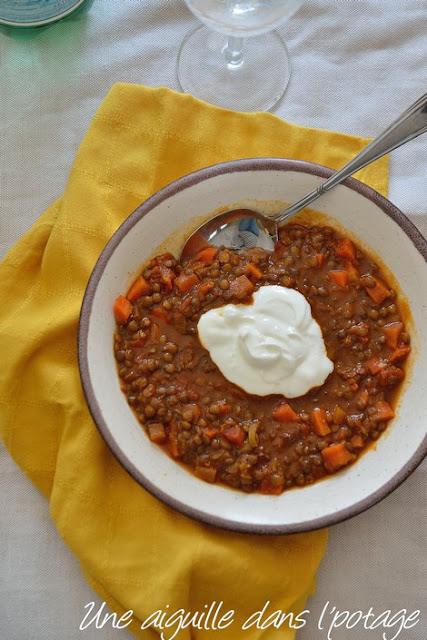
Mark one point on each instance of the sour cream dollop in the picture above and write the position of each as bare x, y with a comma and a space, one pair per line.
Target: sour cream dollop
273, 345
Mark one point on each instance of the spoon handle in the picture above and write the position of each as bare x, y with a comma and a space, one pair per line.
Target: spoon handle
412, 123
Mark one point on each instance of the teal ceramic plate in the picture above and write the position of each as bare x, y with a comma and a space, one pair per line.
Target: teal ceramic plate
35, 13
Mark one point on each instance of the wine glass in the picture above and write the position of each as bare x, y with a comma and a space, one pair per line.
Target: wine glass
221, 64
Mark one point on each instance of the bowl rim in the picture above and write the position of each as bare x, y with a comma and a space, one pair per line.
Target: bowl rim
188, 180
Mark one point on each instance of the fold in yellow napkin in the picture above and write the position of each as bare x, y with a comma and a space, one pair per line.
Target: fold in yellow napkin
137, 553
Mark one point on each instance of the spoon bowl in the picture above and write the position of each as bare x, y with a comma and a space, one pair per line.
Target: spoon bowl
235, 229
244, 228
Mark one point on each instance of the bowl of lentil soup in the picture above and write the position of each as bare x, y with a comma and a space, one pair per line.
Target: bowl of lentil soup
261, 464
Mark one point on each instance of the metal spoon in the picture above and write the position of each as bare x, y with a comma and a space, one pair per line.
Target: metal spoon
244, 228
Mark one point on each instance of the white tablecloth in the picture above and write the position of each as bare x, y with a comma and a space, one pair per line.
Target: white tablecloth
355, 66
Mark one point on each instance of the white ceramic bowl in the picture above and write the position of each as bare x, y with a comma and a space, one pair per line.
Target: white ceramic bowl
379, 226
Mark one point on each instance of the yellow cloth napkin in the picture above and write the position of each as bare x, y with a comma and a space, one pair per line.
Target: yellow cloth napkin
137, 553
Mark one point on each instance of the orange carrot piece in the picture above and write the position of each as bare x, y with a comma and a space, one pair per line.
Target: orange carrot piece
208, 474
336, 456
364, 398
375, 365
383, 412
284, 413
320, 423
223, 407
400, 353
184, 283
155, 332
198, 265
207, 255
161, 313
345, 249
167, 276
234, 434
253, 271
211, 433
157, 433
392, 332
339, 277
122, 309
378, 293
339, 415
173, 440
241, 287
353, 274
205, 287
267, 488
138, 288
357, 441
321, 259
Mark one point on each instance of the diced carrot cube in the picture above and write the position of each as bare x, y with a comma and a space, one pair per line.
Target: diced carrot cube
353, 274
234, 433
223, 407
122, 309
375, 365
339, 278
138, 288
400, 353
211, 433
157, 433
364, 398
253, 271
207, 255
161, 313
392, 332
345, 249
382, 412
320, 423
339, 415
321, 259
357, 441
208, 474
336, 456
284, 413
268, 488
241, 287
155, 332
379, 292
167, 276
205, 287
173, 439
185, 283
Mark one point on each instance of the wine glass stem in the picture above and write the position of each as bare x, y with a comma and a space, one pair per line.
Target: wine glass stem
234, 52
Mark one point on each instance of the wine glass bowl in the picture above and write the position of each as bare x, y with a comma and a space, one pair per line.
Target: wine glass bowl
235, 59
247, 17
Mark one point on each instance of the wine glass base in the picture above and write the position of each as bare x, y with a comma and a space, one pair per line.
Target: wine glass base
255, 85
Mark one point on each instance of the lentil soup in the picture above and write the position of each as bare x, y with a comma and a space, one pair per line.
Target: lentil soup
248, 442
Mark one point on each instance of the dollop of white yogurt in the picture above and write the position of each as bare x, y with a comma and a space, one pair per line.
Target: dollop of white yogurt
273, 345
